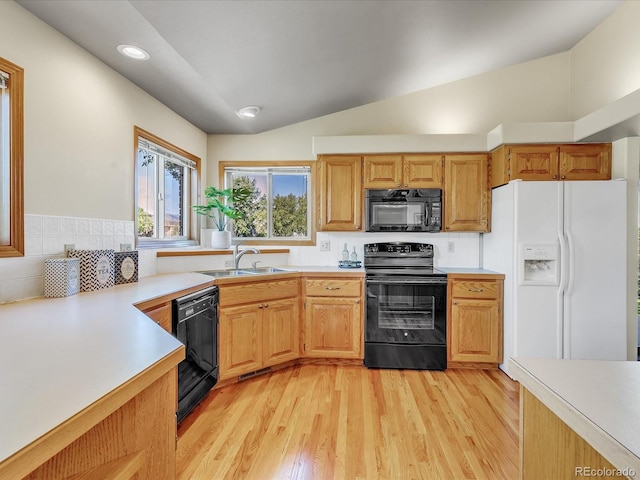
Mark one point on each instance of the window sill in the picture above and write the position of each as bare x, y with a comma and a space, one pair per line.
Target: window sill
190, 253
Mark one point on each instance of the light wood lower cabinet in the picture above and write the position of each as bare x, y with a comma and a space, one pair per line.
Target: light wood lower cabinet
161, 315
474, 320
258, 334
333, 318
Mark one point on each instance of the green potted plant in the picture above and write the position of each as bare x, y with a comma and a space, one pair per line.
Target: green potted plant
219, 208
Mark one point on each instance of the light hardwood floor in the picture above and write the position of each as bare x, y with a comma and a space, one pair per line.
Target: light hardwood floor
349, 422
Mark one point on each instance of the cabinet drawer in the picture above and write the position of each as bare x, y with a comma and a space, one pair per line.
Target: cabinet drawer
332, 287
474, 289
257, 292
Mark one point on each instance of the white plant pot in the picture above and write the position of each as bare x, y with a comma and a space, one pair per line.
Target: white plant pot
220, 239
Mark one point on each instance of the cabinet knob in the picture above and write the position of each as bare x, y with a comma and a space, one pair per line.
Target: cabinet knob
447, 227
266, 305
260, 306
357, 301
555, 176
455, 303
563, 177
398, 185
406, 185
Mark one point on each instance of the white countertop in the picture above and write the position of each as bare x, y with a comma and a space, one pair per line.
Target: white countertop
599, 400
59, 355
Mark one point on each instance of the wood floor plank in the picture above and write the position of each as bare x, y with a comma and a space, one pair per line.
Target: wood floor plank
343, 422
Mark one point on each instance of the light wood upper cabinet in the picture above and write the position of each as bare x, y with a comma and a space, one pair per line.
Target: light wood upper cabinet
585, 162
550, 162
403, 171
340, 198
467, 196
333, 318
533, 162
474, 320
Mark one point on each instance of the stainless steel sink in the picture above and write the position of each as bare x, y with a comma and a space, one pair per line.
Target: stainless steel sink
227, 273
242, 272
268, 270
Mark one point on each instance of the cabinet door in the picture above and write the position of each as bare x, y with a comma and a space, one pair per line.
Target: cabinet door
281, 332
333, 327
383, 171
422, 171
499, 167
340, 193
466, 193
240, 340
161, 315
585, 162
533, 162
475, 334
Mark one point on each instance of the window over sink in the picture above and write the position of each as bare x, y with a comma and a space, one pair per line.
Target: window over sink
166, 187
279, 209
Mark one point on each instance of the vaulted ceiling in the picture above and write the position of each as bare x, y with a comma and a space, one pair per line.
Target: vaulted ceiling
303, 59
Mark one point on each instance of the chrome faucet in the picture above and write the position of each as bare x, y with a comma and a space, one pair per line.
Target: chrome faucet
238, 255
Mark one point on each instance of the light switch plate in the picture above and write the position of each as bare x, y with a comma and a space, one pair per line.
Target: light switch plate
325, 246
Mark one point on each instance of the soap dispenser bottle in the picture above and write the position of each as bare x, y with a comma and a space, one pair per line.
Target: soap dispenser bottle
345, 253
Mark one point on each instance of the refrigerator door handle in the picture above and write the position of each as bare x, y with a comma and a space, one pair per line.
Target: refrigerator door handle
564, 276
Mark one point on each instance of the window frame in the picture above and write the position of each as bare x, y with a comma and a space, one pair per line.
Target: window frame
311, 210
15, 248
191, 239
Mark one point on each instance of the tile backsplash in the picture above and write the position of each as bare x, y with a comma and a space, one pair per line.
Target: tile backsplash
45, 237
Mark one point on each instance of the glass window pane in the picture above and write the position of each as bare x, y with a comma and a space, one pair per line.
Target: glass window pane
290, 205
146, 194
253, 210
5, 193
174, 178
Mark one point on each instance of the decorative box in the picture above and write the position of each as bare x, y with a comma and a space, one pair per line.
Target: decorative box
126, 264
96, 268
61, 277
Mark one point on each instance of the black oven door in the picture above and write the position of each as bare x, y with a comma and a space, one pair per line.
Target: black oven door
406, 310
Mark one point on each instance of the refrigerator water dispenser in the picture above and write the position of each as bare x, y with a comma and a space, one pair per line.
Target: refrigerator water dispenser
539, 264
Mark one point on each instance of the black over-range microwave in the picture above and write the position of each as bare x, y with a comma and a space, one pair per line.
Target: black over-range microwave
416, 210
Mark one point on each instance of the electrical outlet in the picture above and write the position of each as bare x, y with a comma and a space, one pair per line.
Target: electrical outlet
228, 264
451, 247
325, 246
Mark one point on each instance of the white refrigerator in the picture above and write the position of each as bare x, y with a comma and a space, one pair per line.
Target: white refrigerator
562, 248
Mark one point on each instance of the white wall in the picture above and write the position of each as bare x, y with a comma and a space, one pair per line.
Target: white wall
536, 91
78, 135
605, 65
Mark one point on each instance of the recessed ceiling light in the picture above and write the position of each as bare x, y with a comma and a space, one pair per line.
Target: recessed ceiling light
134, 52
249, 112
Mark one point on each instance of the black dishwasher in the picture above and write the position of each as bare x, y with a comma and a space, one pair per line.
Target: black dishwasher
195, 323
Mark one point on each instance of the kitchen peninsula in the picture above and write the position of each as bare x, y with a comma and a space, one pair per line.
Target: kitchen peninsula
580, 416
80, 378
